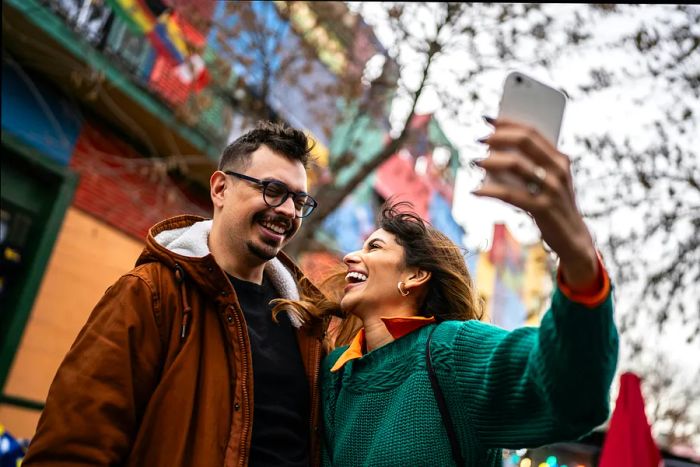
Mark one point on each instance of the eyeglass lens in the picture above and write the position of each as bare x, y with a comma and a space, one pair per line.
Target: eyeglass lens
276, 193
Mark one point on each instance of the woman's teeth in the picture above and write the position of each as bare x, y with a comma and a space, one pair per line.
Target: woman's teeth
355, 277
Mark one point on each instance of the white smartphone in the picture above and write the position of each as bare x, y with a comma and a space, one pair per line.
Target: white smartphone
533, 103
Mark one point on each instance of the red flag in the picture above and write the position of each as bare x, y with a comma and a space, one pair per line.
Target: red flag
628, 442
193, 72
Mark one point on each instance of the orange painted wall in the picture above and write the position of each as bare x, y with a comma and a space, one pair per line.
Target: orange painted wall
88, 257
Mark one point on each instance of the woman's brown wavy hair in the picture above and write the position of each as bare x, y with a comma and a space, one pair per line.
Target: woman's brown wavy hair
450, 295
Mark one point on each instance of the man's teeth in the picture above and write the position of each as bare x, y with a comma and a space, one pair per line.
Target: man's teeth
275, 228
356, 275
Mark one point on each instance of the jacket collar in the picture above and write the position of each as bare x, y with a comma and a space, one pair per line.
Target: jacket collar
183, 240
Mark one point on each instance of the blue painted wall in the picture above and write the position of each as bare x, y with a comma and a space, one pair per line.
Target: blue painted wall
38, 114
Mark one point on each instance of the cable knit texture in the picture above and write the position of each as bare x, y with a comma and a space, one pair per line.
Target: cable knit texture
524, 388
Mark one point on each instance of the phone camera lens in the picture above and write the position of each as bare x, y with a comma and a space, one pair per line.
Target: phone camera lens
518, 79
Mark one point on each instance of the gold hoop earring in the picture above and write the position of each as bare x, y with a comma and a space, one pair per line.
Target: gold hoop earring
402, 289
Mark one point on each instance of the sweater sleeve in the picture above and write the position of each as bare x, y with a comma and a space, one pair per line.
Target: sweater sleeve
535, 386
104, 382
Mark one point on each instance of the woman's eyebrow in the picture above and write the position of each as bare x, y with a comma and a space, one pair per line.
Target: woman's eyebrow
375, 239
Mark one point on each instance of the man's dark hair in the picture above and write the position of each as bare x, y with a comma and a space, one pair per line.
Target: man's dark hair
280, 138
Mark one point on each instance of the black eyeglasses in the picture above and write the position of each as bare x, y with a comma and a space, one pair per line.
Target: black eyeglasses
275, 193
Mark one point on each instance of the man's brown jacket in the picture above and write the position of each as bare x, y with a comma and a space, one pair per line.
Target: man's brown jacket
161, 375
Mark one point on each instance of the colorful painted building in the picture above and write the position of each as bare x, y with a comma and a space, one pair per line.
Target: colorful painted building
422, 172
514, 280
114, 115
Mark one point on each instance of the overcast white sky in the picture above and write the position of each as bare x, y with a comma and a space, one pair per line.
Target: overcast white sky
610, 109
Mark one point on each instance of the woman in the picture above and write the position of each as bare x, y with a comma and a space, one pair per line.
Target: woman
524, 388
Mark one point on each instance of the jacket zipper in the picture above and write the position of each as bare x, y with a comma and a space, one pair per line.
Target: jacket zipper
244, 386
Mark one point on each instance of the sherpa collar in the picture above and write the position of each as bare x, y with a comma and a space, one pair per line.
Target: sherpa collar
192, 241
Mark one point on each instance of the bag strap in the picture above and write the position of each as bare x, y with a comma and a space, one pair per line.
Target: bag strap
440, 399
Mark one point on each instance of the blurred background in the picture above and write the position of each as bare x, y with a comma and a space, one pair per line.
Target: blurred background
115, 112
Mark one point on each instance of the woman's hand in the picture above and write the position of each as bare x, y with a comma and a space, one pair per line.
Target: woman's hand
547, 193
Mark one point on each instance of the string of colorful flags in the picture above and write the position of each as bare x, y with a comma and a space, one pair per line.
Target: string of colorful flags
159, 24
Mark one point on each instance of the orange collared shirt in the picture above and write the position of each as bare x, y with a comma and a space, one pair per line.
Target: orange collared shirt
397, 327
400, 326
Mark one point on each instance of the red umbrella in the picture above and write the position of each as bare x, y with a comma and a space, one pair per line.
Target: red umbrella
628, 442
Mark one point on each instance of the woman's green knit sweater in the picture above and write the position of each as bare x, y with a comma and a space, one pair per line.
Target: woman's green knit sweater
523, 388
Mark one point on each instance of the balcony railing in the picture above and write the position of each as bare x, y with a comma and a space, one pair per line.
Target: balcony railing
207, 110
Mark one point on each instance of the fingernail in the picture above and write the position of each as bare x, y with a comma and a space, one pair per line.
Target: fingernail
489, 120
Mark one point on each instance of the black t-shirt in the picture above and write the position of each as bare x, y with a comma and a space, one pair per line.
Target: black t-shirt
281, 390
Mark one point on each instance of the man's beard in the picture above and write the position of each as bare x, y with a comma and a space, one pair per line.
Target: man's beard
264, 255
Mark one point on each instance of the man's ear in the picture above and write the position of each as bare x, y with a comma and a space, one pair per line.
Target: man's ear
217, 187
417, 278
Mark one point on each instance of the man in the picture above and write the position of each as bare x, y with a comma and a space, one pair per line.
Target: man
180, 363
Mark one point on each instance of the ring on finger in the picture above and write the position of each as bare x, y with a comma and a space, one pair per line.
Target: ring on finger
534, 186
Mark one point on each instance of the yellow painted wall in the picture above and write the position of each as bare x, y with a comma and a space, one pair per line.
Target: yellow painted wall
88, 257
537, 283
